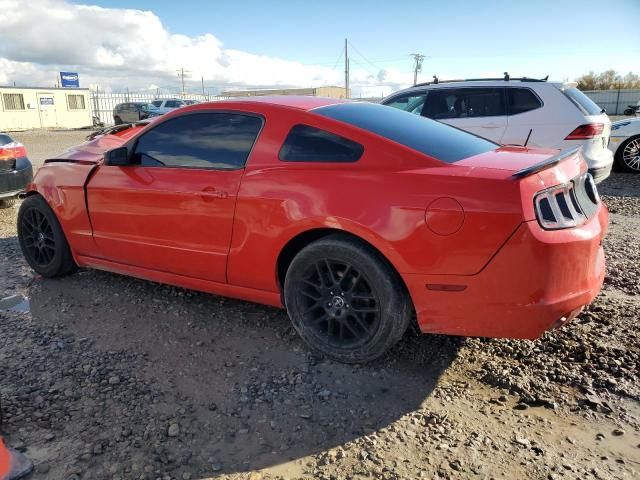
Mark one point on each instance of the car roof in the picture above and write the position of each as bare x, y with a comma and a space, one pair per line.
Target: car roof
535, 84
299, 102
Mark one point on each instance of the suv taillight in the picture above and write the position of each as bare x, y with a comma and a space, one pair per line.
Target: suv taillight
588, 130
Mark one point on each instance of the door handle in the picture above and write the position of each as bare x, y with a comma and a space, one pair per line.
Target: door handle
212, 192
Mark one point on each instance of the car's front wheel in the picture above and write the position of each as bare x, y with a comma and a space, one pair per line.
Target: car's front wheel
117, 120
346, 300
42, 240
628, 155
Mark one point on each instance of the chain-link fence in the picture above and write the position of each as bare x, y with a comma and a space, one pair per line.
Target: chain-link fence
103, 103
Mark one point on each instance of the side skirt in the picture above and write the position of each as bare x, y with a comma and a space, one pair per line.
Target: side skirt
242, 293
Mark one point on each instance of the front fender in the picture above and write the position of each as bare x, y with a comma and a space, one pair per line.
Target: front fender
61, 184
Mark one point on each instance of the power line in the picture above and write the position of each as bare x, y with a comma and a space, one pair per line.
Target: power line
377, 67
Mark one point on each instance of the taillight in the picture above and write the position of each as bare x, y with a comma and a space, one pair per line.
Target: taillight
588, 130
567, 205
12, 150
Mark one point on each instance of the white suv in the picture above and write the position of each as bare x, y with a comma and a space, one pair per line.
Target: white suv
518, 111
165, 106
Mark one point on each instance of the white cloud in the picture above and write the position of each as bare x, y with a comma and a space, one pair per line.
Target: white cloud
117, 48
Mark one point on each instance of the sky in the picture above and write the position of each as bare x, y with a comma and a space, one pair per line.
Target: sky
139, 44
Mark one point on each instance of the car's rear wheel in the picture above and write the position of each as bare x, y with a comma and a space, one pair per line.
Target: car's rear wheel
42, 240
117, 120
628, 155
346, 300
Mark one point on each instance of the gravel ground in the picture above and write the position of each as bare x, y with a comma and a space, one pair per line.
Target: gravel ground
43, 144
104, 376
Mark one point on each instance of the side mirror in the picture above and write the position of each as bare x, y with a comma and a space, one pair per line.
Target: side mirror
118, 157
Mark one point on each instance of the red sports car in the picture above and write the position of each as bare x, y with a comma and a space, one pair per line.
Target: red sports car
355, 217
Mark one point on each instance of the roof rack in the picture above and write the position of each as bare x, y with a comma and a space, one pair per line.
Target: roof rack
506, 78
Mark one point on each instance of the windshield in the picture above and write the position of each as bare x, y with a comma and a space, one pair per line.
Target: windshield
435, 139
580, 100
149, 107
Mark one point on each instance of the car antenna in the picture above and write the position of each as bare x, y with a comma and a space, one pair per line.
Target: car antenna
528, 137
506, 76
545, 78
435, 79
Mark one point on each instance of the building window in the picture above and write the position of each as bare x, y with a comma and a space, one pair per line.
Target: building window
75, 102
13, 101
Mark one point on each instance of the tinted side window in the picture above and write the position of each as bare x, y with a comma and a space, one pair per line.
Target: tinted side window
157, 103
464, 103
434, 139
409, 102
521, 100
202, 140
310, 144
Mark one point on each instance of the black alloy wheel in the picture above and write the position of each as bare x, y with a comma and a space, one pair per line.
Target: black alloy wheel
339, 304
42, 240
345, 299
37, 237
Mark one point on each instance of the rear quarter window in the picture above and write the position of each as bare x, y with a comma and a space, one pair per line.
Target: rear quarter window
520, 100
4, 139
309, 144
435, 139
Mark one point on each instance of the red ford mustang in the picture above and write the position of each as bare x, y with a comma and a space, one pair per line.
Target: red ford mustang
353, 216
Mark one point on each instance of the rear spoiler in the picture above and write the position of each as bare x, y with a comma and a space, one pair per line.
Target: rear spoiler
116, 128
549, 162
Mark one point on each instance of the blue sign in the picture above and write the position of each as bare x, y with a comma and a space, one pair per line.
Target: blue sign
69, 80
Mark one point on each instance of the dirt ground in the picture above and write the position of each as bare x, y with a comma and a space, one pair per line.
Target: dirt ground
108, 377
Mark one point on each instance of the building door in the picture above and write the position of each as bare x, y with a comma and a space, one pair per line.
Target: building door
47, 110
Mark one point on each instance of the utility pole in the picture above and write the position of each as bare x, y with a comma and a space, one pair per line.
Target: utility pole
418, 58
182, 72
346, 69
202, 80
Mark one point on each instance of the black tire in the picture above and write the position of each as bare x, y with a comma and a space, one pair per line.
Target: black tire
8, 202
42, 240
622, 165
346, 300
117, 120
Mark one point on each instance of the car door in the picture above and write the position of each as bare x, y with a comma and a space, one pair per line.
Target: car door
479, 110
172, 209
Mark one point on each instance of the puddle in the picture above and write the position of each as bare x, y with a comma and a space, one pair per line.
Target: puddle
15, 303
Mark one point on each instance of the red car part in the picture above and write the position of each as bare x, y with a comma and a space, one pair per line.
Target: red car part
13, 465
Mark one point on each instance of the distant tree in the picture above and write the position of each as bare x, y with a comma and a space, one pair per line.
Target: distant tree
587, 82
608, 80
631, 80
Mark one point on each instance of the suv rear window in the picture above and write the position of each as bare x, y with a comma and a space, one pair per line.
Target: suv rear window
580, 100
435, 139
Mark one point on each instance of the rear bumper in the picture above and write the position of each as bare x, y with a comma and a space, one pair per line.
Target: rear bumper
538, 280
601, 173
599, 163
12, 182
